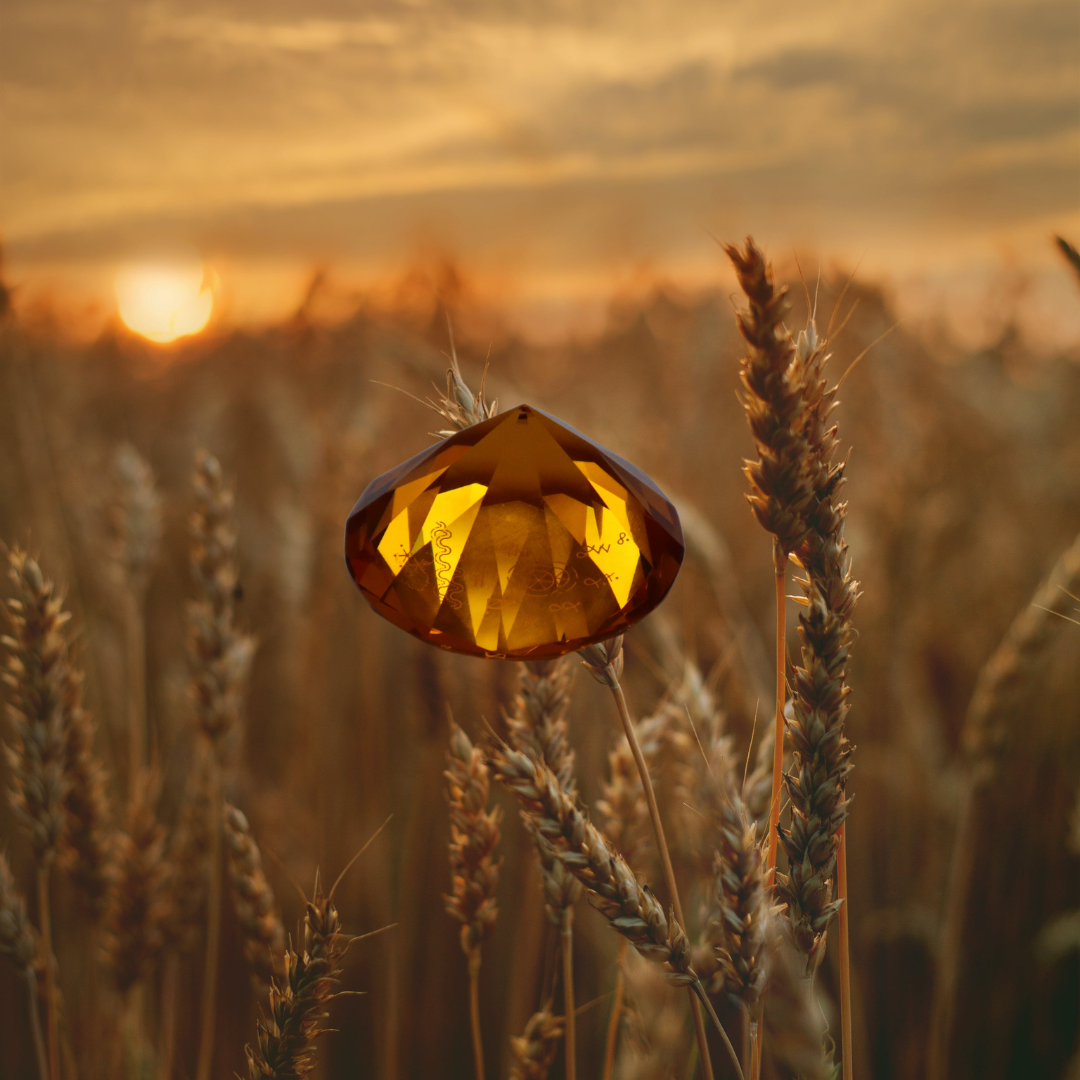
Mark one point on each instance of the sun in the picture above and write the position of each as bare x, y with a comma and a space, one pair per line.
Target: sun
163, 302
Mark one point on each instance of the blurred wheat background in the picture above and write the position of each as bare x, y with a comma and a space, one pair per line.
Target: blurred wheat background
964, 491
341, 186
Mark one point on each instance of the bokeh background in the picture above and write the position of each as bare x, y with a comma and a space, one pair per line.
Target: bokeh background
551, 178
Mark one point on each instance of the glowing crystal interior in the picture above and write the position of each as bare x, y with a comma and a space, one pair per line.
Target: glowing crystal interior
517, 538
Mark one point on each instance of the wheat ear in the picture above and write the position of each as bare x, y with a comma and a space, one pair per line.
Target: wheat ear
604, 661
741, 912
137, 524
285, 1042
474, 870
534, 1051
609, 883
260, 923
220, 658
36, 674
774, 403
538, 721
138, 908
815, 843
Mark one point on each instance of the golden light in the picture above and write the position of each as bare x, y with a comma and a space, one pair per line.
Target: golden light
164, 302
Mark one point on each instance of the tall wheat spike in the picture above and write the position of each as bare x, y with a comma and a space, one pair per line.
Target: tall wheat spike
285, 1044
220, 661
37, 675
256, 910
538, 721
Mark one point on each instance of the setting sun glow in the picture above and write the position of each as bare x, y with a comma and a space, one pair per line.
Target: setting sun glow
163, 303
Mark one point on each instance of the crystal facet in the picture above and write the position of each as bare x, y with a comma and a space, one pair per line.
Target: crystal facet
517, 538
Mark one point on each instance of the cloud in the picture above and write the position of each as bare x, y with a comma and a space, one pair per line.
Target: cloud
117, 113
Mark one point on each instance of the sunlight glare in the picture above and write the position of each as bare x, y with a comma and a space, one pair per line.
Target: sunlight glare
164, 302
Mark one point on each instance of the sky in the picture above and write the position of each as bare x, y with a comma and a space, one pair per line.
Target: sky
557, 150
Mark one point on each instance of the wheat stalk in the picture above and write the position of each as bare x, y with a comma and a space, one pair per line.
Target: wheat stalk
285, 1041
256, 911
474, 870
18, 944
538, 721
220, 656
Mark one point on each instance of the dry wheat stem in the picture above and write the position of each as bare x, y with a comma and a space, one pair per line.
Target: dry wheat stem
612, 1038
213, 929
52, 1027
474, 1015
845, 958
567, 930
780, 568
474, 870
18, 944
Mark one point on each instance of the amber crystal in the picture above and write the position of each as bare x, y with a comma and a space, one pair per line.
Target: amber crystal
517, 538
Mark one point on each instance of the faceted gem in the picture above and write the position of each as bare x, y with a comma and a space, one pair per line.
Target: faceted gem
517, 538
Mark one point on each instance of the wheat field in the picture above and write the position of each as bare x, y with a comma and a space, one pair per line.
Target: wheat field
263, 683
